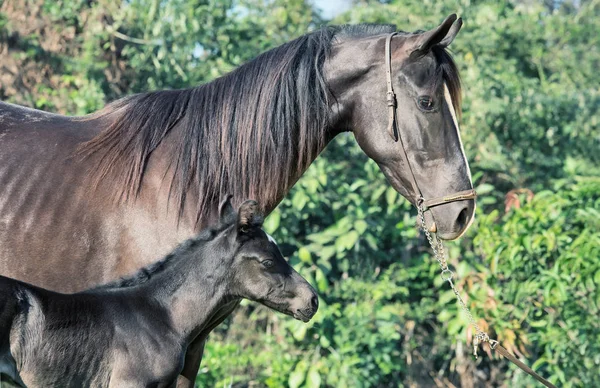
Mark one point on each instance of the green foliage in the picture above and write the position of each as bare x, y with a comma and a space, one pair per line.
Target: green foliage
531, 120
113, 48
549, 274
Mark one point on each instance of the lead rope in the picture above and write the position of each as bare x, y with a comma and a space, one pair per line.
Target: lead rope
447, 275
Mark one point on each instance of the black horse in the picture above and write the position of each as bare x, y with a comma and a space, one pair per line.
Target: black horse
135, 332
86, 200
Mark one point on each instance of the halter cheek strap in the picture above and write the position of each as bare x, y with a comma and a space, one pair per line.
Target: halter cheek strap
390, 95
395, 134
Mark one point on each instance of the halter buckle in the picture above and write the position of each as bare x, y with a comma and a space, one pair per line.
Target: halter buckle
390, 97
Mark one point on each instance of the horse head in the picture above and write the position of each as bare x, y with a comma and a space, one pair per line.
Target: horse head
399, 93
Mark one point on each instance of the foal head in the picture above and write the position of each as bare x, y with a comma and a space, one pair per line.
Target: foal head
258, 270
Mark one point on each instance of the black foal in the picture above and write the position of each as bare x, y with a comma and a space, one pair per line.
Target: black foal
135, 332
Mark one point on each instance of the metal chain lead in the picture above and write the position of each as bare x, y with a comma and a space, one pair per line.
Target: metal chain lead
447, 275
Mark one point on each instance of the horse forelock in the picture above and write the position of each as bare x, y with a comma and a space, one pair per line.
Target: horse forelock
448, 74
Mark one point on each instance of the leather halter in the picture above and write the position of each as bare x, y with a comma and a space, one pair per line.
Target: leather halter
395, 133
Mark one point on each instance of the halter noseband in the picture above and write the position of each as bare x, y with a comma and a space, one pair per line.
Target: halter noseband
395, 133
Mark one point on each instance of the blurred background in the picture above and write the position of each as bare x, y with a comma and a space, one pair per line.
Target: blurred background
529, 266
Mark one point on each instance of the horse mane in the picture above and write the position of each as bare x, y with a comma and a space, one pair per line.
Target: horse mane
275, 106
362, 30
245, 133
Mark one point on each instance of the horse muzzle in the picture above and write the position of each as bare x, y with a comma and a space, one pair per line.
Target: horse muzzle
450, 220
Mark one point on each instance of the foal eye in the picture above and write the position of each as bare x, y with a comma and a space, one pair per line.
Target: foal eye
425, 102
267, 263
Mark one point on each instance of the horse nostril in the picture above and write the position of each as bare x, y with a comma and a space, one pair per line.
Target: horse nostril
314, 302
462, 219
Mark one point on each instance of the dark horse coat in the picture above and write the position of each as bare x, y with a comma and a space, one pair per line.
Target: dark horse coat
135, 332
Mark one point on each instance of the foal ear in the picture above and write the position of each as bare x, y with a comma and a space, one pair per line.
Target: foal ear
226, 211
249, 216
441, 35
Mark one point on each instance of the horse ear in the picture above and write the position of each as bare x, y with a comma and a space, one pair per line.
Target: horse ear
226, 211
441, 35
249, 216
452, 33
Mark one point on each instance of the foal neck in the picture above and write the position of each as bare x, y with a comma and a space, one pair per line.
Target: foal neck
192, 286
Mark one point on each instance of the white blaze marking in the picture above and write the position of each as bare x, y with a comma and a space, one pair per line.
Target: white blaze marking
453, 113
462, 149
271, 239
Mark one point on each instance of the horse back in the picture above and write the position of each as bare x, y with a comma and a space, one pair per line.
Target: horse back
49, 216
60, 231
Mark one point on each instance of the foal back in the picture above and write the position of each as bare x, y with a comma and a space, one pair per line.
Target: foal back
51, 339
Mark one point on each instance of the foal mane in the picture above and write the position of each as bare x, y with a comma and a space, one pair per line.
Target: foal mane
248, 133
180, 253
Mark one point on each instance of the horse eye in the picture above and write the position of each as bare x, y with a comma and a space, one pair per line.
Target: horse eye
267, 263
425, 102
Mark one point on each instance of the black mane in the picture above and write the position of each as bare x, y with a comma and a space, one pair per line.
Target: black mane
264, 122
362, 30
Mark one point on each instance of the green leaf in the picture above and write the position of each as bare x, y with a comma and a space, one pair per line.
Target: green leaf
304, 255
272, 222
346, 241
298, 375
391, 195
313, 379
484, 188
360, 226
299, 200
321, 280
